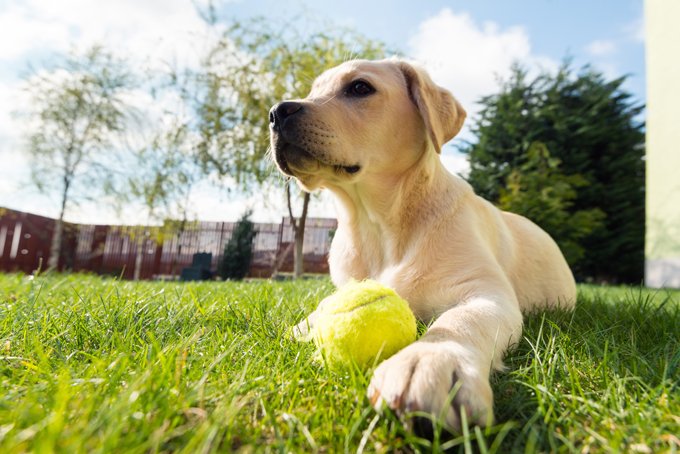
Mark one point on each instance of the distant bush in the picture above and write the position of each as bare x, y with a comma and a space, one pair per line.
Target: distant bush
540, 191
566, 149
238, 252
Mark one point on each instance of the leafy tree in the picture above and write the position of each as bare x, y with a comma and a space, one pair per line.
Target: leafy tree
591, 126
540, 191
163, 174
238, 251
251, 68
74, 112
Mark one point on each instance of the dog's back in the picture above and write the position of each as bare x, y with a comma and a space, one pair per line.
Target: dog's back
539, 272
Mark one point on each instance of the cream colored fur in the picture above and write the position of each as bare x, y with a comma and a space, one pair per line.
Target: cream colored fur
465, 267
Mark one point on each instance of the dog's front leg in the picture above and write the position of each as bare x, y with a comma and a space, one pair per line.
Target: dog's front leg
447, 370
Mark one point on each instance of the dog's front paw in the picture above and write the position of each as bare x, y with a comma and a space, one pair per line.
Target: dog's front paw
439, 379
302, 332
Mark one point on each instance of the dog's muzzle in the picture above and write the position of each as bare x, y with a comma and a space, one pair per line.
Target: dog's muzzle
284, 120
280, 118
281, 112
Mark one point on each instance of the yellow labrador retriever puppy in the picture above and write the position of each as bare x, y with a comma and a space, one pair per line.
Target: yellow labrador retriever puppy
371, 133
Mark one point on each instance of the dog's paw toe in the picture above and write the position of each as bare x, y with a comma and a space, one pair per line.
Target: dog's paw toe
432, 381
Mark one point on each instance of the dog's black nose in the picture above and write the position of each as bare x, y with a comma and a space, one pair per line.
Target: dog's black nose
281, 111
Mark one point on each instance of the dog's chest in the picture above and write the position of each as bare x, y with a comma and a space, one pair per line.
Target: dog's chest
361, 254
368, 257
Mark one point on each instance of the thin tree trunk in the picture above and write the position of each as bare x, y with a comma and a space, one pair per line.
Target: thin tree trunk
298, 231
58, 234
176, 256
180, 233
139, 255
55, 245
300, 238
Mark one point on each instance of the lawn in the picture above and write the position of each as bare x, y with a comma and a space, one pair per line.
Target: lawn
98, 365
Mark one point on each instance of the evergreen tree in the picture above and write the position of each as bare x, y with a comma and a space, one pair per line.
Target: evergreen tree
540, 191
591, 126
238, 252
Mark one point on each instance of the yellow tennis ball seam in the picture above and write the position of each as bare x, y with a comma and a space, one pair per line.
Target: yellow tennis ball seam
354, 308
351, 294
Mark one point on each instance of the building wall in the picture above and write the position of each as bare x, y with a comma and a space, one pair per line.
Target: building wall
662, 249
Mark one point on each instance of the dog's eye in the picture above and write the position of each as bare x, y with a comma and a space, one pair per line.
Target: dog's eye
360, 88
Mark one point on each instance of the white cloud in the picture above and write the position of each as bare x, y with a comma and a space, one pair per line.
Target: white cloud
22, 32
150, 33
468, 57
8, 98
14, 173
602, 51
601, 47
636, 30
165, 30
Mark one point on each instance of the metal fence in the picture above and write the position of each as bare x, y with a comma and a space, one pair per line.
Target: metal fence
165, 250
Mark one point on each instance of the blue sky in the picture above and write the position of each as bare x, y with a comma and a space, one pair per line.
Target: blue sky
466, 45
555, 28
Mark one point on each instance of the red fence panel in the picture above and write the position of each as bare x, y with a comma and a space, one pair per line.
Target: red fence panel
24, 240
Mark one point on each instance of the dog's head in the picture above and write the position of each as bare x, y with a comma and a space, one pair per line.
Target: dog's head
362, 118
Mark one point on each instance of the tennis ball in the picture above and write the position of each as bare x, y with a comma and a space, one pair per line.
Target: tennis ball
363, 323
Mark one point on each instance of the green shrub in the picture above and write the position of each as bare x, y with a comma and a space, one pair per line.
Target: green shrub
238, 252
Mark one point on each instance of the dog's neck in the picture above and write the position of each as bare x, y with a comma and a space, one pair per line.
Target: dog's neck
392, 204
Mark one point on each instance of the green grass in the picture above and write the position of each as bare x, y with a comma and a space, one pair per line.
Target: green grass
98, 365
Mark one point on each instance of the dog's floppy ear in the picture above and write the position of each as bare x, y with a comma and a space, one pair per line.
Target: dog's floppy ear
441, 112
